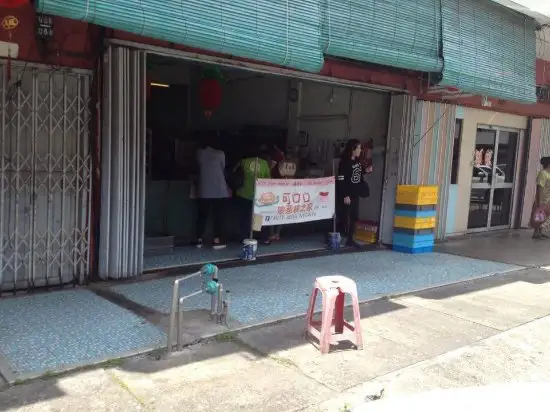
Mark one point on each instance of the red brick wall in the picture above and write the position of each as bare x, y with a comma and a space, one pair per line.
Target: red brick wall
543, 72
74, 43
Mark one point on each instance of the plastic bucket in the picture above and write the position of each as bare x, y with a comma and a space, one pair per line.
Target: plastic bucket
250, 248
334, 240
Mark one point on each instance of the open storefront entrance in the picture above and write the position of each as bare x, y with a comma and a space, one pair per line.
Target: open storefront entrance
308, 120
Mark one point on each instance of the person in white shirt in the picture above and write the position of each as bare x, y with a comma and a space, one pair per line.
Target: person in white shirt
212, 192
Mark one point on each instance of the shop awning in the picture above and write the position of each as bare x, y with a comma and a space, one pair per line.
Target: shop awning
488, 50
537, 9
282, 33
397, 33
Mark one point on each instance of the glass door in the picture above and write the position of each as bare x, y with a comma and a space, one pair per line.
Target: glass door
503, 185
493, 174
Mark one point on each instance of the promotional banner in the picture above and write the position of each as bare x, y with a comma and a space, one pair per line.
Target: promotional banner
286, 201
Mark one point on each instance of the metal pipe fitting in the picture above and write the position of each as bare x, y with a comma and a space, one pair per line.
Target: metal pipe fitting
175, 308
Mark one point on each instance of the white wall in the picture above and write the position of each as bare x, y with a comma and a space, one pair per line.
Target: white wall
252, 99
330, 114
543, 44
171, 72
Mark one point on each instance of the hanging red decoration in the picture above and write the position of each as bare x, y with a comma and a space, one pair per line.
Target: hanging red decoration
366, 153
210, 95
9, 24
13, 4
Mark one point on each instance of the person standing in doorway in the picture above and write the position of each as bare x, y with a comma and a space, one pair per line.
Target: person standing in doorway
541, 208
350, 186
256, 167
212, 191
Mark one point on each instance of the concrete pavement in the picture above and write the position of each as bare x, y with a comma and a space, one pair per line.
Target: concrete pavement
511, 246
492, 330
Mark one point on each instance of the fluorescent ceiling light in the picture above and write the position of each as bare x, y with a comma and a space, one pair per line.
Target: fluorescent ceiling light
160, 85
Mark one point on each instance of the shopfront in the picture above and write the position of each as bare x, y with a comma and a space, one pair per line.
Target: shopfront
460, 149
152, 124
490, 171
153, 94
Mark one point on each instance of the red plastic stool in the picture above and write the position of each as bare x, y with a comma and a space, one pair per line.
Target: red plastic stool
332, 324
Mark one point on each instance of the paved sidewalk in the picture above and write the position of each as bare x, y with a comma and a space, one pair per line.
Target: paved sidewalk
515, 247
485, 331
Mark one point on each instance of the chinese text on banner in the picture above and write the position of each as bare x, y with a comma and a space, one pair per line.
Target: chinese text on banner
286, 201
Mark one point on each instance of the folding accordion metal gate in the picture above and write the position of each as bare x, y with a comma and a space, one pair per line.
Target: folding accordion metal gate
45, 176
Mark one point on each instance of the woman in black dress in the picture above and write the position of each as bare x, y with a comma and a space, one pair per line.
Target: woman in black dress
350, 186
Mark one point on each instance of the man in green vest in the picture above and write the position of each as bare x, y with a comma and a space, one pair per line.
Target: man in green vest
252, 168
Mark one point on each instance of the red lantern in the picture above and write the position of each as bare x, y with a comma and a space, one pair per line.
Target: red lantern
13, 4
210, 95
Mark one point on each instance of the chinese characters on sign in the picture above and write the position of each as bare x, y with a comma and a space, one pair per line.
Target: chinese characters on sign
286, 201
44, 26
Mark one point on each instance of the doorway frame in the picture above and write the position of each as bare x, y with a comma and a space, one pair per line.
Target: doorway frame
517, 175
121, 262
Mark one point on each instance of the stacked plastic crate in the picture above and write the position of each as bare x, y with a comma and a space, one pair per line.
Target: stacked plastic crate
365, 231
415, 218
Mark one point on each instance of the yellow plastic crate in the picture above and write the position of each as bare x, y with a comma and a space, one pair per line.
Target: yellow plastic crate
365, 236
417, 195
414, 222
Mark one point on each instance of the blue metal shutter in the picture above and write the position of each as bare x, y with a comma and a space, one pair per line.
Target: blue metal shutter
488, 49
398, 33
282, 32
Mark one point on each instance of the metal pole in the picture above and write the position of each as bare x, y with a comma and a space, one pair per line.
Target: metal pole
175, 307
213, 306
253, 198
226, 309
336, 178
219, 303
175, 296
179, 325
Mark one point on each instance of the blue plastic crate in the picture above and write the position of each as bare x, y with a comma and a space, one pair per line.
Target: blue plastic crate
413, 232
415, 213
414, 251
413, 241
424, 208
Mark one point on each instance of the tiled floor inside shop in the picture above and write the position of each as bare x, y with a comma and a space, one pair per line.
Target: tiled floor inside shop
56, 330
190, 255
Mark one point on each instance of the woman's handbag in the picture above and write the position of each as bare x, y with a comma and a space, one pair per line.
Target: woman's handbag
539, 216
363, 190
